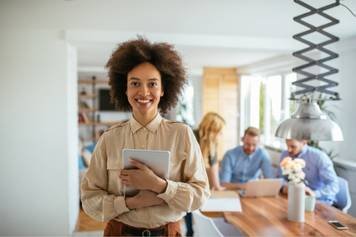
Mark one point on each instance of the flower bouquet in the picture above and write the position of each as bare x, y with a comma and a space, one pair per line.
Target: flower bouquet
292, 169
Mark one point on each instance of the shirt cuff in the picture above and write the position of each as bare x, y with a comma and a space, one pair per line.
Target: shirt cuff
170, 192
120, 205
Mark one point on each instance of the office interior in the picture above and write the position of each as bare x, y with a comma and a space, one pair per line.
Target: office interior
238, 57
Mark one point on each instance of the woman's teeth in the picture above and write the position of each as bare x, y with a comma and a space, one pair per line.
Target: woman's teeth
143, 101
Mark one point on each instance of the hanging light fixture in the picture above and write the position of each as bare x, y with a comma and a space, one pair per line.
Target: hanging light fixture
309, 122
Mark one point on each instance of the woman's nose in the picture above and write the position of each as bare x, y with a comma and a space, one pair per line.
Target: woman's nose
144, 90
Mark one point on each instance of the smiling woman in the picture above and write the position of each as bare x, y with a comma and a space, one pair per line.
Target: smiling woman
141, 74
162, 56
144, 91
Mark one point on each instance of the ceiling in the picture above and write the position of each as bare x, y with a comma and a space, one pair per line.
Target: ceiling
205, 32
216, 33
194, 58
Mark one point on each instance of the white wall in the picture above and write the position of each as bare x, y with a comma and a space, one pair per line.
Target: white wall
36, 129
72, 138
344, 109
346, 112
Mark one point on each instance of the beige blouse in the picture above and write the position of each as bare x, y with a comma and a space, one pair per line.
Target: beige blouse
187, 186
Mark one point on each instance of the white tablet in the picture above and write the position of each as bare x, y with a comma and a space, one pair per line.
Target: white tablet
157, 160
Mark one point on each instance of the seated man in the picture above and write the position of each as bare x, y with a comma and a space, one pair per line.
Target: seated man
320, 176
243, 163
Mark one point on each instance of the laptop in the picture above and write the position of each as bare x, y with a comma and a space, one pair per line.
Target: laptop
262, 188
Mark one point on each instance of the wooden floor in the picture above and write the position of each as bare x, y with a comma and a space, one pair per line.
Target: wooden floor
86, 223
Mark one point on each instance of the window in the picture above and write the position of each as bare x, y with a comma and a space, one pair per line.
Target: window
273, 115
265, 103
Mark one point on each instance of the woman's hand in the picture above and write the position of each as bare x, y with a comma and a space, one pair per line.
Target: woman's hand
142, 178
143, 199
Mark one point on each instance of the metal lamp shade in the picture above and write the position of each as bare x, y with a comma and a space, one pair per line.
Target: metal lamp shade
309, 123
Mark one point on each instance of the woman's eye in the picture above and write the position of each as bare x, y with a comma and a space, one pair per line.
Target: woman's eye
134, 84
153, 84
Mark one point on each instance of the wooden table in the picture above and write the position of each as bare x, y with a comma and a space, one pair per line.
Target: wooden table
267, 216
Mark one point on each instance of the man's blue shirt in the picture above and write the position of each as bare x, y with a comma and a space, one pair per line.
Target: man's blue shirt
319, 173
238, 167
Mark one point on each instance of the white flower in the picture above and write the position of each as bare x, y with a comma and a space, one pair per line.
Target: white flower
293, 169
299, 161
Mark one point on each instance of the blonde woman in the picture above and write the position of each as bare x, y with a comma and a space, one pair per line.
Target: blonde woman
208, 134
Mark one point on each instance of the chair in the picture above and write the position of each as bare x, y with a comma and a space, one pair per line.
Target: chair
204, 226
343, 198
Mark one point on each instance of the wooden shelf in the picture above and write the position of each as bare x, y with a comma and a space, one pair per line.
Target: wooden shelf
90, 82
88, 107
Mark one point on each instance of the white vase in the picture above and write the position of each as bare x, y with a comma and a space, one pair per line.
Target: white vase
296, 201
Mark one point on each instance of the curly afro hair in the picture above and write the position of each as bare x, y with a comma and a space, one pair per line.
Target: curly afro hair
132, 53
